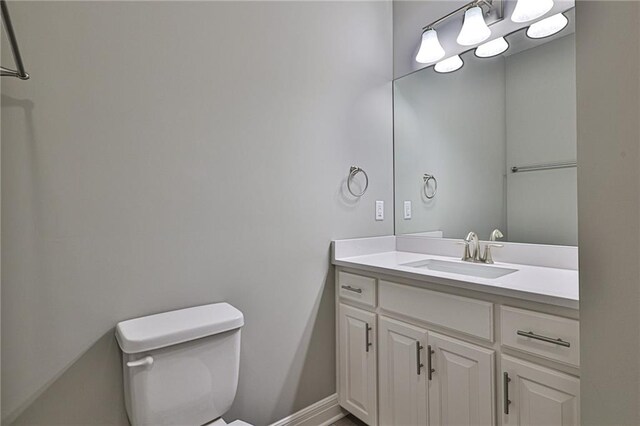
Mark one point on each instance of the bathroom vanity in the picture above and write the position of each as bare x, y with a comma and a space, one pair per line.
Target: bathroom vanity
430, 332
422, 339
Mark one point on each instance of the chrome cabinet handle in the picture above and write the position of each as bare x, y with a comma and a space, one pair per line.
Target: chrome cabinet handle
140, 362
353, 289
532, 335
367, 342
505, 392
419, 363
430, 369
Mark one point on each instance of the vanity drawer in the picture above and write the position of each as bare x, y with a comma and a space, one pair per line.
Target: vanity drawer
357, 288
470, 316
538, 334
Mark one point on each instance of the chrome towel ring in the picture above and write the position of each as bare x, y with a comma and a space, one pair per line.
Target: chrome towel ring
353, 171
427, 177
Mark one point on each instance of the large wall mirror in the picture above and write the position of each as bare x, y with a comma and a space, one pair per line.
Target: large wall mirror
491, 145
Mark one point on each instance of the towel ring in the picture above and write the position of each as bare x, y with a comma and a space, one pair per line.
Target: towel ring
353, 171
427, 177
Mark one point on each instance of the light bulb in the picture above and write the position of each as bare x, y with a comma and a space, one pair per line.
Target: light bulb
548, 26
492, 48
474, 29
528, 10
430, 48
451, 64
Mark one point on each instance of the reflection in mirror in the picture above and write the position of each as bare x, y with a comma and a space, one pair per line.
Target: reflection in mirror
498, 136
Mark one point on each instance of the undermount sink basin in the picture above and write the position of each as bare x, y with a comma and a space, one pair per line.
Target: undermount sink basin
471, 269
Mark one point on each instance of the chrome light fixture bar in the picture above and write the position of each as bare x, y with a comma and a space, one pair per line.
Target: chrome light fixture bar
474, 29
19, 72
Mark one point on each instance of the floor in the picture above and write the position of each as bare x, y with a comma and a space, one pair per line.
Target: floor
348, 421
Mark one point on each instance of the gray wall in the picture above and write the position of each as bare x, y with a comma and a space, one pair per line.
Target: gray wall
542, 207
452, 126
608, 87
170, 154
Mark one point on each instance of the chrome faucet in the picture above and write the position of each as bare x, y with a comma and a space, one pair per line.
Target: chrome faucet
473, 255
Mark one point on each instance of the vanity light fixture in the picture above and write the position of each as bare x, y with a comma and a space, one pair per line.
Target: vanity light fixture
430, 48
548, 26
474, 28
451, 64
492, 48
528, 10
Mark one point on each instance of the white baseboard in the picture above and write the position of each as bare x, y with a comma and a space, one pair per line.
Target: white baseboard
322, 413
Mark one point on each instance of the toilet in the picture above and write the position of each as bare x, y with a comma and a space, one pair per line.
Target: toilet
181, 367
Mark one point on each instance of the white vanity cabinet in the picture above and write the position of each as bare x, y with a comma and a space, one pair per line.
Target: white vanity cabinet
357, 362
415, 355
403, 373
536, 395
461, 390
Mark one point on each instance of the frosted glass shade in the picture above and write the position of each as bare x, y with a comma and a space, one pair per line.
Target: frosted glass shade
528, 10
474, 29
451, 64
548, 26
492, 48
430, 48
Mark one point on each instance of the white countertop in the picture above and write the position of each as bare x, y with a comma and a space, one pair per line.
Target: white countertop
552, 286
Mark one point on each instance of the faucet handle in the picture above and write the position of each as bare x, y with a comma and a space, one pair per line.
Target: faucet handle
487, 258
466, 256
495, 234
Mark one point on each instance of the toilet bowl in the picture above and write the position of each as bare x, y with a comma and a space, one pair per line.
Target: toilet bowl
181, 367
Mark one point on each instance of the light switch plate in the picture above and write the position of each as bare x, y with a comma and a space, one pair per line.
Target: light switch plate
379, 210
407, 210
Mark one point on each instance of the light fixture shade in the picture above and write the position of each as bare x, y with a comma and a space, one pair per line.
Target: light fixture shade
430, 48
451, 64
528, 10
492, 48
548, 26
474, 29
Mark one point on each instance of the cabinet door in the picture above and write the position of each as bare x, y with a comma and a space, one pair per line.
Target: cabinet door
357, 365
538, 395
461, 389
403, 384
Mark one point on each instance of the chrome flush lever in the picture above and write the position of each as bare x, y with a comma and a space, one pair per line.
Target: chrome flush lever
140, 362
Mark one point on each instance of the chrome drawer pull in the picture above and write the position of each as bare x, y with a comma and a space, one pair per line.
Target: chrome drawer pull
353, 289
532, 335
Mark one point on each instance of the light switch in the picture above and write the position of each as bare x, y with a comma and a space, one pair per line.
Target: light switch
379, 210
407, 210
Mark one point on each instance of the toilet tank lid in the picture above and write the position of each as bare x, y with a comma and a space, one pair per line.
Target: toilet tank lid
170, 328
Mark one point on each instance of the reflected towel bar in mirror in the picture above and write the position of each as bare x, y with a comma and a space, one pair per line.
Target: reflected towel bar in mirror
550, 166
429, 178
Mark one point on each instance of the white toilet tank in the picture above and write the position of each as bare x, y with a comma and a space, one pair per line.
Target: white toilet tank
181, 367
